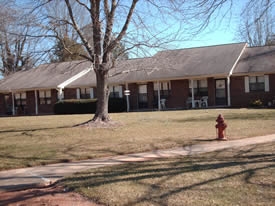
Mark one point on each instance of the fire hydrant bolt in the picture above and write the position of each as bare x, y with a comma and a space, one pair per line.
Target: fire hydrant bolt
221, 126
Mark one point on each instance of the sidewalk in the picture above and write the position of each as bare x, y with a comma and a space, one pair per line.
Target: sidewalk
44, 175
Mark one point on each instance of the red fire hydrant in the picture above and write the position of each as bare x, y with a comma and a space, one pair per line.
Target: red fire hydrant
221, 126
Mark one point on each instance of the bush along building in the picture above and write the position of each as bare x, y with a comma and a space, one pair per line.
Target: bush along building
231, 75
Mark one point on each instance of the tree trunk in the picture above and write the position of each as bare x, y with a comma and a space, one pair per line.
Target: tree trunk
101, 113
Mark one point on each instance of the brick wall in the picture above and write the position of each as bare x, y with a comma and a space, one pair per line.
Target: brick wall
239, 98
179, 94
150, 94
30, 104
2, 104
5, 107
70, 93
211, 91
133, 98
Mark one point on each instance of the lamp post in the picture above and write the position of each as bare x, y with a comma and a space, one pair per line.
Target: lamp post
127, 93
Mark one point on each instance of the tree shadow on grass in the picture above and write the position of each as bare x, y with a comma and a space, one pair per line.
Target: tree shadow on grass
22, 195
153, 174
33, 130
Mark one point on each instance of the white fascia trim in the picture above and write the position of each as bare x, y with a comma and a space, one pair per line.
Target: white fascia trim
230, 74
236, 62
72, 79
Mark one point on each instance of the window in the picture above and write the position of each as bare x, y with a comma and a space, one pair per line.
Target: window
164, 89
115, 91
85, 93
200, 88
45, 97
20, 99
257, 83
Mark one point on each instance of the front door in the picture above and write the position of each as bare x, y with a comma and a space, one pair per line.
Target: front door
8, 104
221, 94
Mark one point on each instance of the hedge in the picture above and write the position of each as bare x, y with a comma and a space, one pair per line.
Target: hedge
88, 106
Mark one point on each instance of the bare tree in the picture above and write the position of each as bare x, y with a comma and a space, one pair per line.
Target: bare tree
257, 25
16, 52
135, 24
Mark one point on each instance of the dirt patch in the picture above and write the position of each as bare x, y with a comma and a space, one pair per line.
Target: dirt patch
47, 196
100, 124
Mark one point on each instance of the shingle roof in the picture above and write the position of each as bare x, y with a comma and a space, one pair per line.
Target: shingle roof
256, 60
173, 64
203, 61
43, 77
132, 70
211, 61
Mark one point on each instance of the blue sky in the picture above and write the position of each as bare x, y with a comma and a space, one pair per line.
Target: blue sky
221, 30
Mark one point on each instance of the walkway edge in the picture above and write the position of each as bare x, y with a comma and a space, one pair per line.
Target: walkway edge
24, 178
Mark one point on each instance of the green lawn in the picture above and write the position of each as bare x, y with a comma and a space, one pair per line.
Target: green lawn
38, 140
240, 176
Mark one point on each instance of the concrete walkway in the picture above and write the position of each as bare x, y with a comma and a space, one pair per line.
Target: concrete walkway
45, 175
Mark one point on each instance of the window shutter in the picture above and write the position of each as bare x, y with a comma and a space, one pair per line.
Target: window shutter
78, 93
246, 84
266, 83
91, 93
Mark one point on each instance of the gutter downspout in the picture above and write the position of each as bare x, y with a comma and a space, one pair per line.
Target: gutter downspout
230, 74
127, 98
192, 85
60, 92
13, 109
159, 106
36, 102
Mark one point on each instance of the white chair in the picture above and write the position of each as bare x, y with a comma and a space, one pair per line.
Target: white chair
162, 103
204, 102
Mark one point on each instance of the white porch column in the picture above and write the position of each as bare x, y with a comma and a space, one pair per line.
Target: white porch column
159, 106
192, 89
36, 102
78, 93
13, 107
91, 93
228, 92
127, 98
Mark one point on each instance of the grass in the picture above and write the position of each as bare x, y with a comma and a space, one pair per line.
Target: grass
243, 176
38, 140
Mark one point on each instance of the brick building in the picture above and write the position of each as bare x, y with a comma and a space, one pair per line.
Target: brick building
232, 75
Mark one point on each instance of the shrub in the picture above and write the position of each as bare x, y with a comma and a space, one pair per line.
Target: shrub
88, 106
117, 105
75, 106
256, 103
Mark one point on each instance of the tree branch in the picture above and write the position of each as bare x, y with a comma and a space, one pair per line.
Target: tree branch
76, 27
124, 28
109, 27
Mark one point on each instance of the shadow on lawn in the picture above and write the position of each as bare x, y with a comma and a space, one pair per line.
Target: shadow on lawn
22, 195
24, 131
155, 173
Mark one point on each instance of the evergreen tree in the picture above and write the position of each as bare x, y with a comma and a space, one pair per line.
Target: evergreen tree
67, 49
